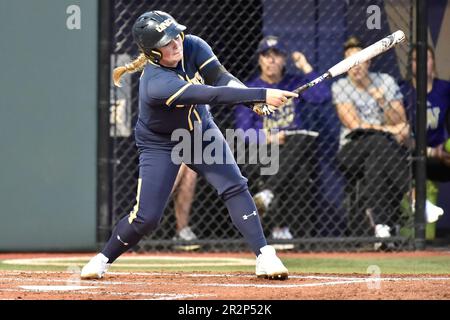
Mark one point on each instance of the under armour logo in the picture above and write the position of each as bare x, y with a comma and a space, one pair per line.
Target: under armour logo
118, 238
245, 217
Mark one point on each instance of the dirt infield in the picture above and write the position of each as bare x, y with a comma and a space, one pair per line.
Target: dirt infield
224, 286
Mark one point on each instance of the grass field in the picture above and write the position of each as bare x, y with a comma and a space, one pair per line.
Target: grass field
304, 264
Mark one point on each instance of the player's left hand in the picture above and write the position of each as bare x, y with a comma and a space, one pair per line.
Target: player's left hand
276, 98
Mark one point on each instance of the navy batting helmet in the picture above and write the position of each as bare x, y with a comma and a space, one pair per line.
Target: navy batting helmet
155, 29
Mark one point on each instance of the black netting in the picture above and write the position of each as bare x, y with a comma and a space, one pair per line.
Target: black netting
330, 196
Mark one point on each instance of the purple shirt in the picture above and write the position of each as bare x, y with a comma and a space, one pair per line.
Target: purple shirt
438, 104
287, 117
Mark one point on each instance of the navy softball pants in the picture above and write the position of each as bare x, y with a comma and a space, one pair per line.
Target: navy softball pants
157, 174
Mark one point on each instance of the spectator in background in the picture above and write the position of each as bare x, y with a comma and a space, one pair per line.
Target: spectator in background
183, 192
438, 111
373, 133
296, 151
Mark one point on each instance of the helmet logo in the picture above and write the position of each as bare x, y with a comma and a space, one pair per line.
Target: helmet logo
163, 25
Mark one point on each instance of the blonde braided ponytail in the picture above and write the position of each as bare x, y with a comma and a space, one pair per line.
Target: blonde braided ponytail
131, 67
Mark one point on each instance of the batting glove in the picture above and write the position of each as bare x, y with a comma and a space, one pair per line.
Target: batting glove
263, 109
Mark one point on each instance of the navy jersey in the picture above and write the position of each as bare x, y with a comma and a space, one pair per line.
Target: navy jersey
159, 87
438, 104
174, 98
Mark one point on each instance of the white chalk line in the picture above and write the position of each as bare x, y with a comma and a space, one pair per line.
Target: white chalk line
43, 288
86, 286
337, 280
72, 280
222, 275
157, 296
168, 296
137, 283
284, 286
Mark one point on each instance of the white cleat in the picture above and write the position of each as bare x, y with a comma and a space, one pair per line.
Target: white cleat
95, 268
269, 266
263, 200
381, 231
432, 212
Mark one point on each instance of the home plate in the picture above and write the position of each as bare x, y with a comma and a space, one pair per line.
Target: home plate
56, 288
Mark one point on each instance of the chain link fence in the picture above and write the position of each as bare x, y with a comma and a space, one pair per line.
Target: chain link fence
327, 195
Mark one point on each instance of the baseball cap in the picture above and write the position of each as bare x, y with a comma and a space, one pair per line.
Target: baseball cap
271, 42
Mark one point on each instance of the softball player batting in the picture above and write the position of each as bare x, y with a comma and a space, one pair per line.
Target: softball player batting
171, 97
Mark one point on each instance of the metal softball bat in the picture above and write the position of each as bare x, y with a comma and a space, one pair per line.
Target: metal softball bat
362, 56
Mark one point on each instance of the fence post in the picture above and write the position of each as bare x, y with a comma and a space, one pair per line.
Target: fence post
104, 70
421, 118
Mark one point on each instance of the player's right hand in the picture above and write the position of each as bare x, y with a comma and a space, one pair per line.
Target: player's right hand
278, 98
